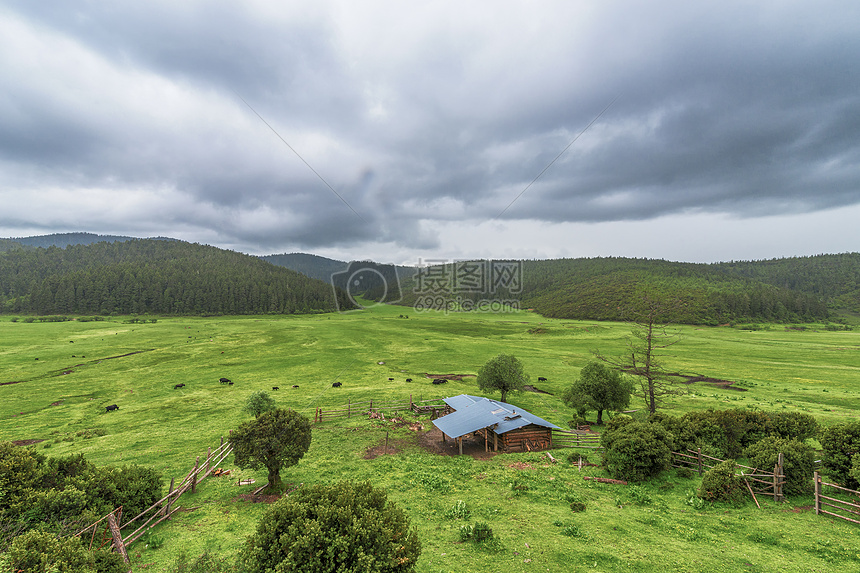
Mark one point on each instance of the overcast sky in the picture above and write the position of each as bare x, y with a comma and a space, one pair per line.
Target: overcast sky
409, 131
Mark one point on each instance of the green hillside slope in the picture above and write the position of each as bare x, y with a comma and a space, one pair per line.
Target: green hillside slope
154, 276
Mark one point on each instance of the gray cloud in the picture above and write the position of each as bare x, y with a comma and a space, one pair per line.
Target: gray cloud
421, 117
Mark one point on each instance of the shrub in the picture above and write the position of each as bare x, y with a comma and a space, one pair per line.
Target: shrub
636, 451
840, 444
205, 563
797, 425
721, 484
40, 551
577, 506
343, 527
798, 461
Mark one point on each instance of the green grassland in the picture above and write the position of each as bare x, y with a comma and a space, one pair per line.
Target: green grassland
57, 379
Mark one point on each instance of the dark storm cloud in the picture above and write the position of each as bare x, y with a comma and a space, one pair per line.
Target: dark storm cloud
420, 116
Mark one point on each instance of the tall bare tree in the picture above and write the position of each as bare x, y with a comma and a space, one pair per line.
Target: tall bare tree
643, 357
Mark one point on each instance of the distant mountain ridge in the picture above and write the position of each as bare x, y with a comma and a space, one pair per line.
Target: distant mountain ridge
795, 289
63, 240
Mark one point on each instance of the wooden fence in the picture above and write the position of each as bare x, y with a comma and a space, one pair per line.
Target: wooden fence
756, 480
363, 408
574, 439
160, 510
836, 504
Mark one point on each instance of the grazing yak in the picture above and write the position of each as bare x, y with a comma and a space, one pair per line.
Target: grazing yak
179, 386
541, 379
439, 380
111, 408
390, 379
295, 385
409, 379
336, 384
224, 381
275, 388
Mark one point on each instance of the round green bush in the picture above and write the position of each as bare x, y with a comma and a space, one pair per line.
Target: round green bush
721, 484
636, 451
840, 444
798, 461
346, 527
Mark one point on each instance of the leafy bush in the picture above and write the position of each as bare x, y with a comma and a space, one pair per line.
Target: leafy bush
40, 551
721, 484
797, 425
344, 527
840, 444
574, 531
636, 451
798, 461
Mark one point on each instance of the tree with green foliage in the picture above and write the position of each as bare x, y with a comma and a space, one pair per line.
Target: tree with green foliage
259, 402
598, 388
275, 440
503, 373
346, 527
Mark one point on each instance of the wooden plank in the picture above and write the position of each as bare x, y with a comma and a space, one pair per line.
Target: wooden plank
840, 516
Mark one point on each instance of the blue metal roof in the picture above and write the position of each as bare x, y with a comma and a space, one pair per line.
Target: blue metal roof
473, 413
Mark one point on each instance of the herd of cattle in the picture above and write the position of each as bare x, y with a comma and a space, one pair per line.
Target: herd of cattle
229, 382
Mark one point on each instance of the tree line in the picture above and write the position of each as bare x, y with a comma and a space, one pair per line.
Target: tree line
601, 288
154, 276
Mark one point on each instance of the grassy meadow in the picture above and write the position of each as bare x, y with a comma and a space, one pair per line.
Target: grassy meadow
57, 378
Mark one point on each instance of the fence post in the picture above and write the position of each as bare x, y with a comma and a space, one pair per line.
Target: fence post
778, 480
194, 475
117, 537
817, 493
699, 457
169, 498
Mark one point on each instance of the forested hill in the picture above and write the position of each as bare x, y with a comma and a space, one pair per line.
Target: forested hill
835, 278
313, 266
154, 276
66, 239
608, 288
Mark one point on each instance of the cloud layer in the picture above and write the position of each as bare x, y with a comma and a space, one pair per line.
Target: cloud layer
393, 130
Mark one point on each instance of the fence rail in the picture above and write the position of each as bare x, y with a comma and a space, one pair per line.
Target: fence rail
835, 503
573, 439
363, 408
161, 509
769, 483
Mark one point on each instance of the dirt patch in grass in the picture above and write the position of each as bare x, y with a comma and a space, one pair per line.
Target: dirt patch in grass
26, 442
715, 381
529, 388
7, 383
256, 498
450, 376
521, 466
